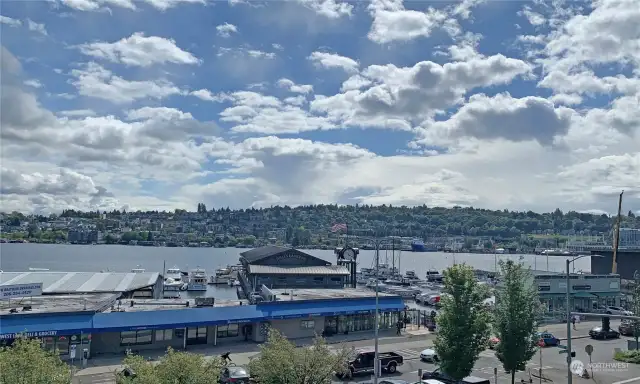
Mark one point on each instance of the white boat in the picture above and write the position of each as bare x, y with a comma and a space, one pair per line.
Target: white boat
137, 269
234, 282
174, 280
38, 269
197, 280
222, 276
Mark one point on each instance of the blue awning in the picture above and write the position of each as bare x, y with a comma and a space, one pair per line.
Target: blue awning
293, 309
43, 326
175, 318
193, 317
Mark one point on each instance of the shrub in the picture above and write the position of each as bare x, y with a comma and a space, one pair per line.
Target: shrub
632, 356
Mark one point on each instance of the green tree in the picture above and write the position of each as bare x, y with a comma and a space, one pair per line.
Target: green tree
280, 362
25, 362
515, 315
463, 322
173, 368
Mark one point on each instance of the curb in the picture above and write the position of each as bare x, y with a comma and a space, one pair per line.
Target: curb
574, 338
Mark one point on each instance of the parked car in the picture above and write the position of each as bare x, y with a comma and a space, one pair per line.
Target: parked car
446, 379
430, 381
429, 355
236, 375
362, 361
549, 339
617, 311
601, 333
626, 328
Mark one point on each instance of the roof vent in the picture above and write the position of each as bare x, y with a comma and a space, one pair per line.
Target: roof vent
26, 308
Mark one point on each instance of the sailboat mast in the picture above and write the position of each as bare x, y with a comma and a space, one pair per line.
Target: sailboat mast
393, 255
616, 238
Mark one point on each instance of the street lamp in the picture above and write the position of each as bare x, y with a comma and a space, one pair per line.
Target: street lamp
569, 261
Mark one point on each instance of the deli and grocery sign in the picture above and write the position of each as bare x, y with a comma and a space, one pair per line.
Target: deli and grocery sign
29, 334
11, 291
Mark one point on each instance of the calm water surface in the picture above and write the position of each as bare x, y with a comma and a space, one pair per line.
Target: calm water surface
121, 258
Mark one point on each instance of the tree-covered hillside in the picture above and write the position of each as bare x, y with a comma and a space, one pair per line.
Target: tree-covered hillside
419, 221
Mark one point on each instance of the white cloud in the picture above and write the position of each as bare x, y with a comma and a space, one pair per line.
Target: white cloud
225, 30
97, 5
392, 22
139, 50
332, 60
9, 21
35, 27
333, 9
77, 113
95, 81
245, 52
293, 87
33, 83
205, 94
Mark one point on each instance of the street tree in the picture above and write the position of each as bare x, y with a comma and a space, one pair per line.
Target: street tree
280, 362
25, 362
463, 322
172, 368
515, 317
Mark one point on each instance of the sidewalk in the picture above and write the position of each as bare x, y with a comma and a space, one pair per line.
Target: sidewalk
242, 353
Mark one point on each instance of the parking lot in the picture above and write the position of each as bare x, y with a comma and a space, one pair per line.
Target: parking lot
553, 366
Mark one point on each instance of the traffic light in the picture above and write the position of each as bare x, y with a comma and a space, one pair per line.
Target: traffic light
573, 353
606, 324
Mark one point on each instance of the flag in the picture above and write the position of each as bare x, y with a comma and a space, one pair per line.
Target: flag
339, 227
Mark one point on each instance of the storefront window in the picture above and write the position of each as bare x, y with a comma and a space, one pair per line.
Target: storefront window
196, 335
135, 337
229, 330
307, 324
164, 334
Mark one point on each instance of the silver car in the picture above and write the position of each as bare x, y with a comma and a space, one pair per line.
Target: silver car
235, 375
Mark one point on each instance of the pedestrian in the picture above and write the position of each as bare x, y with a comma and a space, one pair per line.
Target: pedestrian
573, 321
399, 325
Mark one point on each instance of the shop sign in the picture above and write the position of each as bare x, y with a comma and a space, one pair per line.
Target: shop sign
581, 287
28, 334
20, 290
289, 256
544, 288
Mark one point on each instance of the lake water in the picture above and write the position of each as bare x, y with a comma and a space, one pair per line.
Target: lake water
122, 258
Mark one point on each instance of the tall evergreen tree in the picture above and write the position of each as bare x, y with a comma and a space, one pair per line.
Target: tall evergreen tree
515, 316
463, 322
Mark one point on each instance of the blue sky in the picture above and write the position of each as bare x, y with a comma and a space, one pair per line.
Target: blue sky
171, 102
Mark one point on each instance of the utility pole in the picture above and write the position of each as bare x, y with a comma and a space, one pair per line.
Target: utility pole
616, 237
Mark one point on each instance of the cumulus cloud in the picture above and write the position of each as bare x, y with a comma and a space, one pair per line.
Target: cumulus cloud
139, 50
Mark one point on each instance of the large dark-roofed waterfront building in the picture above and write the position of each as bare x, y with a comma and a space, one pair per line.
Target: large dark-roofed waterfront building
278, 267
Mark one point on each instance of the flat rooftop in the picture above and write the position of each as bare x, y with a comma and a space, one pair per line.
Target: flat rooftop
143, 305
50, 304
82, 282
325, 293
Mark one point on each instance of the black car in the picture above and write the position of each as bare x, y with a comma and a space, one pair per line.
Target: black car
393, 381
601, 333
233, 374
626, 329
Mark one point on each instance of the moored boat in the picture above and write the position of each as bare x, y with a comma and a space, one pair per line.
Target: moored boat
197, 280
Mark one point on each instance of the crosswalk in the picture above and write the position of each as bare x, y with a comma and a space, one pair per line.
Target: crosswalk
408, 353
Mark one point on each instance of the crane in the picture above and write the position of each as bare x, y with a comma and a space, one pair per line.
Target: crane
616, 237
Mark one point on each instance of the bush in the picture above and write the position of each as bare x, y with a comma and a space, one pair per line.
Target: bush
632, 356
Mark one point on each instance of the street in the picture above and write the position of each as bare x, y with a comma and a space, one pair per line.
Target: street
553, 366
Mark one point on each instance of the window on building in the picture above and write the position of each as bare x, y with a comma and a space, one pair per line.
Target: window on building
229, 330
318, 280
136, 337
336, 279
164, 334
307, 324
